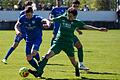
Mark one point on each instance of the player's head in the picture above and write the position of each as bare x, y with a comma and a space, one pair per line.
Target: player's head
76, 4
72, 13
59, 3
28, 3
29, 12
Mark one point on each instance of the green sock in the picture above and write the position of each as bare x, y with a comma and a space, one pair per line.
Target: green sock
80, 54
42, 65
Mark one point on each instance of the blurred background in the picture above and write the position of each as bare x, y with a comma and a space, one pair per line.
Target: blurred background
48, 4
99, 8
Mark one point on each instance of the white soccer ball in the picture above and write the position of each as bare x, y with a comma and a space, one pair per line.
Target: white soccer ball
23, 72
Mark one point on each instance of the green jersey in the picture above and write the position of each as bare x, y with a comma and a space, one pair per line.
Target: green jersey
66, 30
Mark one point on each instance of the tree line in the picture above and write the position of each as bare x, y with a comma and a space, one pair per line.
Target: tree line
92, 4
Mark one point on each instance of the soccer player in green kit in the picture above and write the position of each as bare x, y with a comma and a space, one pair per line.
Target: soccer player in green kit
59, 10
64, 40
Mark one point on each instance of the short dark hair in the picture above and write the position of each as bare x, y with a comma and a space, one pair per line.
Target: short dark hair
29, 9
59, 0
73, 11
28, 3
75, 2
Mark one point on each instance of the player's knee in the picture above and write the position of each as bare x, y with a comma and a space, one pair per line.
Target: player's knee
78, 45
34, 53
73, 62
72, 59
49, 55
15, 44
29, 57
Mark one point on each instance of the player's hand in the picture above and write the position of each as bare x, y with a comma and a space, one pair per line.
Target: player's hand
103, 29
19, 33
46, 26
80, 32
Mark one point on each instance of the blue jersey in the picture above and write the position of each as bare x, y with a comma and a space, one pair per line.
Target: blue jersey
22, 29
57, 11
22, 13
32, 26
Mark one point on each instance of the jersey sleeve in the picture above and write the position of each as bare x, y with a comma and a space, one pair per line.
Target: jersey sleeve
20, 19
80, 24
57, 19
40, 18
65, 13
52, 12
22, 13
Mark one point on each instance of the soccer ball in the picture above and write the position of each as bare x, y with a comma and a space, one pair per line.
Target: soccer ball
23, 72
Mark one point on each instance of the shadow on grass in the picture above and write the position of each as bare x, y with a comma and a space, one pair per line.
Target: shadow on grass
85, 78
44, 78
86, 51
61, 79
26, 79
57, 64
107, 73
77, 78
81, 78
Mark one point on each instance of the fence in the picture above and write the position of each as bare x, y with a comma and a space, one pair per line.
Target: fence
96, 18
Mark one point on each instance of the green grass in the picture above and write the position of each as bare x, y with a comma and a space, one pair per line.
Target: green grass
101, 55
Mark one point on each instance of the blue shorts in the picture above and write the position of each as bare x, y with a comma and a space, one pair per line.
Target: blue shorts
33, 45
75, 39
19, 38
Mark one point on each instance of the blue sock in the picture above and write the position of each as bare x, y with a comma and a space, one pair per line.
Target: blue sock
9, 52
37, 57
33, 63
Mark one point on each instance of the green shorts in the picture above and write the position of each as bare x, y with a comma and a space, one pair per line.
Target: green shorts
67, 48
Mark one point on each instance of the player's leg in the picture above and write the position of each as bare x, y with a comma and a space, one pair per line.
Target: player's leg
12, 48
44, 61
79, 47
55, 49
42, 65
35, 49
29, 56
36, 55
69, 50
75, 64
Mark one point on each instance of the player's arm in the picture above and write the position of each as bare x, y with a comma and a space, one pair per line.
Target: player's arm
79, 31
57, 19
17, 28
95, 28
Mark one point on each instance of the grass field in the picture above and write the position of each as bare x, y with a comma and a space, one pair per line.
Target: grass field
101, 55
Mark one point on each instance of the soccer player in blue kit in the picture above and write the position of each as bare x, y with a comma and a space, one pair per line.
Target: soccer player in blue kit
57, 11
60, 10
33, 26
17, 37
